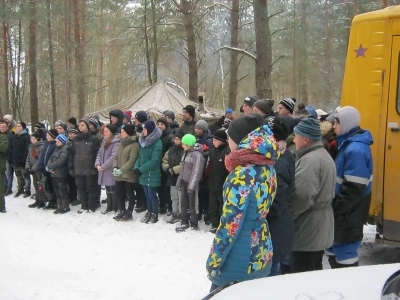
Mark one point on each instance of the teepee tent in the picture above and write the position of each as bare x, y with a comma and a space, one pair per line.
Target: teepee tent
155, 100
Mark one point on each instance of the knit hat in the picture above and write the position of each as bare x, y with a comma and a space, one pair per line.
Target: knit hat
164, 121
141, 116
288, 103
250, 100
242, 126
63, 126
62, 138
228, 111
53, 133
170, 114
73, 130
8, 118
22, 124
264, 106
292, 122
309, 128
112, 128
40, 125
189, 139
58, 122
348, 117
190, 110
72, 121
128, 115
94, 122
202, 125
38, 135
220, 135
129, 129
150, 126
279, 127
179, 134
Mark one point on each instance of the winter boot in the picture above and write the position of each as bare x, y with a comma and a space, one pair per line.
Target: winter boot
58, 210
120, 215
50, 206
127, 216
40, 204
8, 192
146, 218
153, 218
109, 204
18, 193
207, 218
195, 227
175, 219
35, 204
64, 210
182, 227
27, 194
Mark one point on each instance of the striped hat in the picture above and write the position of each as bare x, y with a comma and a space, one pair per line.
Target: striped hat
309, 128
288, 103
62, 138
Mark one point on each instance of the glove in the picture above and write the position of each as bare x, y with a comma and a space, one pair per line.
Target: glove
117, 172
71, 173
171, 171
137, 172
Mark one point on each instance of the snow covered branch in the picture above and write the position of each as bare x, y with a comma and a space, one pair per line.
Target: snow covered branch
244, 52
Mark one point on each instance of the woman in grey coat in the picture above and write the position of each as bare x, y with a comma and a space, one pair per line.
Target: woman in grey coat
104, 162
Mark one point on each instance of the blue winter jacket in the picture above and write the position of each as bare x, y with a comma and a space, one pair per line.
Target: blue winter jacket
242, 247
354, 168
48, 150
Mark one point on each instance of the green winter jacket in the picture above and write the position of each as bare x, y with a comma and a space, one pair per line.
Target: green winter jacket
149, 159
125, 159
3, 150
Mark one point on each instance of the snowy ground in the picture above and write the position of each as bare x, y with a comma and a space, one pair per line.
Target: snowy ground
91, 256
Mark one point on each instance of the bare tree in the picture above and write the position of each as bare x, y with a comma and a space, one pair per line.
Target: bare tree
4, 55
32, 64
51, 63
234, 63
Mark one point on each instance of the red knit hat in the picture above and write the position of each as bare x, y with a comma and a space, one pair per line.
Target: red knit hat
128, 113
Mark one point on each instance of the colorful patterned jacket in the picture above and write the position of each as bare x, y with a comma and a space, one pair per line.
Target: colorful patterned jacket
242, 247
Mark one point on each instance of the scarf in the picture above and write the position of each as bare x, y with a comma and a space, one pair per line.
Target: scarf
245, 157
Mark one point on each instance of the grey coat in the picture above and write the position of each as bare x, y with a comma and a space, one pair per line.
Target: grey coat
125, 159
33, 158
58, 162
311, 204
192, 167
105, 158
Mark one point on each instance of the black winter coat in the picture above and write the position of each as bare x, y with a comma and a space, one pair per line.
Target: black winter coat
10, 137
174, 127
216, 170
206, 141
19, 149
175, 154
279, 219
58, 162
84, 150
187, 127
167, 140
120, 115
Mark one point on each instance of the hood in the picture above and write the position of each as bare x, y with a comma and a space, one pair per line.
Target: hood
355, 135
25, 131
261, 141
151, 138
37, 145
119, 114
174, 125
197, 147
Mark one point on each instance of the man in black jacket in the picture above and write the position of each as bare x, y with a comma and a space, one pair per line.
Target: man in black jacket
188, 115
9, 173
3, 154
84, 150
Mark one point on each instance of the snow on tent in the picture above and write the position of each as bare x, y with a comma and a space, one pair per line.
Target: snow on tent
155, 100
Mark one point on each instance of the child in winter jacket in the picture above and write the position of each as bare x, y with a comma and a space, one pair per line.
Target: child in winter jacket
104, 163
171, 166
58, 168
217, 174
192, 167
126, 182
33, 163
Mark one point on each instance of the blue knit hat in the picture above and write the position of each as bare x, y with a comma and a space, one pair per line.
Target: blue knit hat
228, 111
150, 126
62, 138
308, 128
141, 116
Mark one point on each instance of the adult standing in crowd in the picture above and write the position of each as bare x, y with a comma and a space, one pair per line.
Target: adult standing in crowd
9, 174
140, 119
3, 161
311, 205
72, 123
84, 150
354, 168
33, 163
286, 107
10, 122
126, 181
117, 118
263, 108
19, 153
147, 168
104, 162
170, 116
242, 247
188, 115
248, 104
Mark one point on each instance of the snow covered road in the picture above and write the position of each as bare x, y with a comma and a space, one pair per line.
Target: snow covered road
91, 256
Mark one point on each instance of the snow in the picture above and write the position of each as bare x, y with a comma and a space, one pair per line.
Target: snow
91, 256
